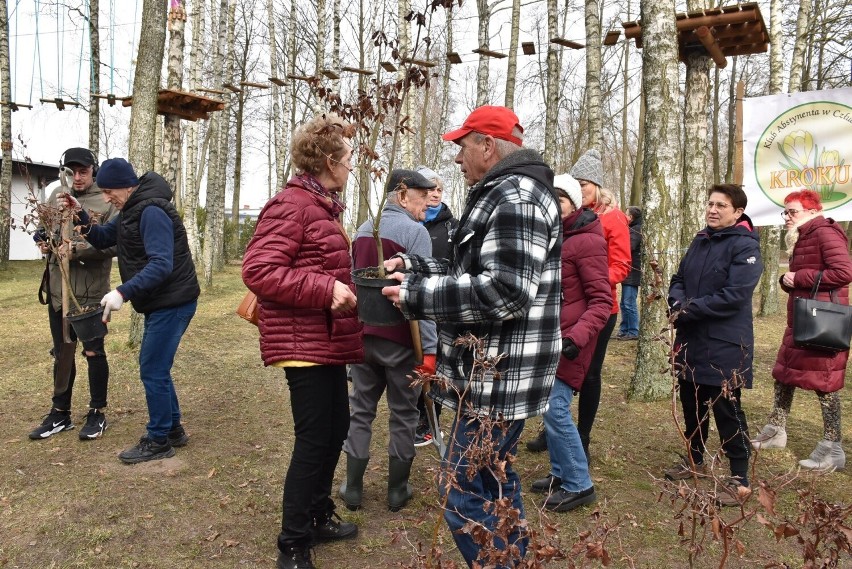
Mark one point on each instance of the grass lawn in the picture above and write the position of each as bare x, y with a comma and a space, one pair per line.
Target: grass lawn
217, 504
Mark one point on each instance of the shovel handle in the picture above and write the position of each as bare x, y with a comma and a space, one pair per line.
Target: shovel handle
65, 234
414, 325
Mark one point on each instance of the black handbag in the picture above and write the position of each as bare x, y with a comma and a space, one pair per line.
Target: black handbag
821, 325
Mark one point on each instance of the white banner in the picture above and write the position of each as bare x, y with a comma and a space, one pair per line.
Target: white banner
797, 141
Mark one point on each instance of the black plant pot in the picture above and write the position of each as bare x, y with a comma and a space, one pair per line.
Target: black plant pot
87, 324
374, 308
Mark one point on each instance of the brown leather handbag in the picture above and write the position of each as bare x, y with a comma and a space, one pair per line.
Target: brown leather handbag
249, 309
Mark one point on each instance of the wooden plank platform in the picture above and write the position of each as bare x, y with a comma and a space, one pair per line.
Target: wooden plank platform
183, 104
737, 29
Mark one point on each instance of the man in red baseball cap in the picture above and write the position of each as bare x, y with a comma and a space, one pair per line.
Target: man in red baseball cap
501, 284
488, 128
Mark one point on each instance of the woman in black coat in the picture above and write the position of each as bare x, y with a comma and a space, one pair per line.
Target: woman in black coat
711, 295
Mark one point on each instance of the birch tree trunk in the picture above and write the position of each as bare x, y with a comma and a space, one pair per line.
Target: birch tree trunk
215, 204
407, 146
696, 161
551, 109
321, 35
5, 138
770, 242
661, 177
445, 85
482, 70
277, 118
512, 69
625, 99
802, 28
363, 200
143, 112
335, 43
224, 140
714, 125
171, 123
291, 68
593, 74
639, 164
732, 119
193, 164
95, 72
770, 235
146, 85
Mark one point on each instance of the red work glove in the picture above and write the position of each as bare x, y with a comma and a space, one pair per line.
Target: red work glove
428, 365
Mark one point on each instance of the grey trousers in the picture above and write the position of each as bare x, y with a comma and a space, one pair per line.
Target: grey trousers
386, 367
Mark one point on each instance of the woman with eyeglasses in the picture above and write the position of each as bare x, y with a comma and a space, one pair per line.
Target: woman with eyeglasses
710, 300
298, 265
816, 244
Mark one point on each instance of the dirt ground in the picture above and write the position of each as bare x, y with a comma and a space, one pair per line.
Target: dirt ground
65, 503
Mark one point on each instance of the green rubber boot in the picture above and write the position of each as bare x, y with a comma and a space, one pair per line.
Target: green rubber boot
399, 490
352, 490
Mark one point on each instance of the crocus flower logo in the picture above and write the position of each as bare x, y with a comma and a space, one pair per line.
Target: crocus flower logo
797, 148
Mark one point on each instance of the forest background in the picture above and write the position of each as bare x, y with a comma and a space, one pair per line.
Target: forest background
665, 127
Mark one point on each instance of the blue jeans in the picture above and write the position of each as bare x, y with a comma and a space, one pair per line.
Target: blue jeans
467, 500
629, 311
163, 331
567, 458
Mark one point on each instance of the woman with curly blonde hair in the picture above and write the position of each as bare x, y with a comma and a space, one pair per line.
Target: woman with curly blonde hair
298, 265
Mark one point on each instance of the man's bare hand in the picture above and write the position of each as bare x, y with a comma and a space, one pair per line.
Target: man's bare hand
394, 264
342, 297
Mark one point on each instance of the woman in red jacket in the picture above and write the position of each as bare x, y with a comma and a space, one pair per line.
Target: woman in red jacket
586, 303
817, 245
299, 267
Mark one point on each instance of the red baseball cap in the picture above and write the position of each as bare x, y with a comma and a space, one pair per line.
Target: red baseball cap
498, 122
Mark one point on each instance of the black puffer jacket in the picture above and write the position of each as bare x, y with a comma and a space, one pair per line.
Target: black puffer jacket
440, 230
635, 254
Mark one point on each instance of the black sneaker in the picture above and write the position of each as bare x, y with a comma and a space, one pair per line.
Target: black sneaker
422, 435
295, 557
54, 422
177, 437
146, 450
332, 528
95, 426
564, 501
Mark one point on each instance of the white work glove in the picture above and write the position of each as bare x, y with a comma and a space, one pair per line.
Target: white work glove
111, 301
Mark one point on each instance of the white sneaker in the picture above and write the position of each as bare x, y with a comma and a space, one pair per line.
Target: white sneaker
828, 455
770, 437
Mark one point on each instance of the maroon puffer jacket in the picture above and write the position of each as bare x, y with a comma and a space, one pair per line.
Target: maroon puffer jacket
298, 250
821, 247
586, 294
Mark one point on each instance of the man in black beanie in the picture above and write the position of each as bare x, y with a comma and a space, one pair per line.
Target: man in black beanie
158, 278
89, 270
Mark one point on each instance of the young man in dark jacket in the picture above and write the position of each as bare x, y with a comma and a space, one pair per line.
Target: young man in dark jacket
711, 295
158, 278
89, 271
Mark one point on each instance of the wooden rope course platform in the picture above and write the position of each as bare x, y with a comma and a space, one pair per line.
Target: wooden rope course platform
61, 103
183, 104
14, 106
718, 33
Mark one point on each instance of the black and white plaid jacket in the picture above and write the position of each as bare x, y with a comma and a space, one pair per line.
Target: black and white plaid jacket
501, 283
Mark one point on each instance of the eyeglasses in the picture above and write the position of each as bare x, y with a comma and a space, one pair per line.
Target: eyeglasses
790, 212
718, 205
